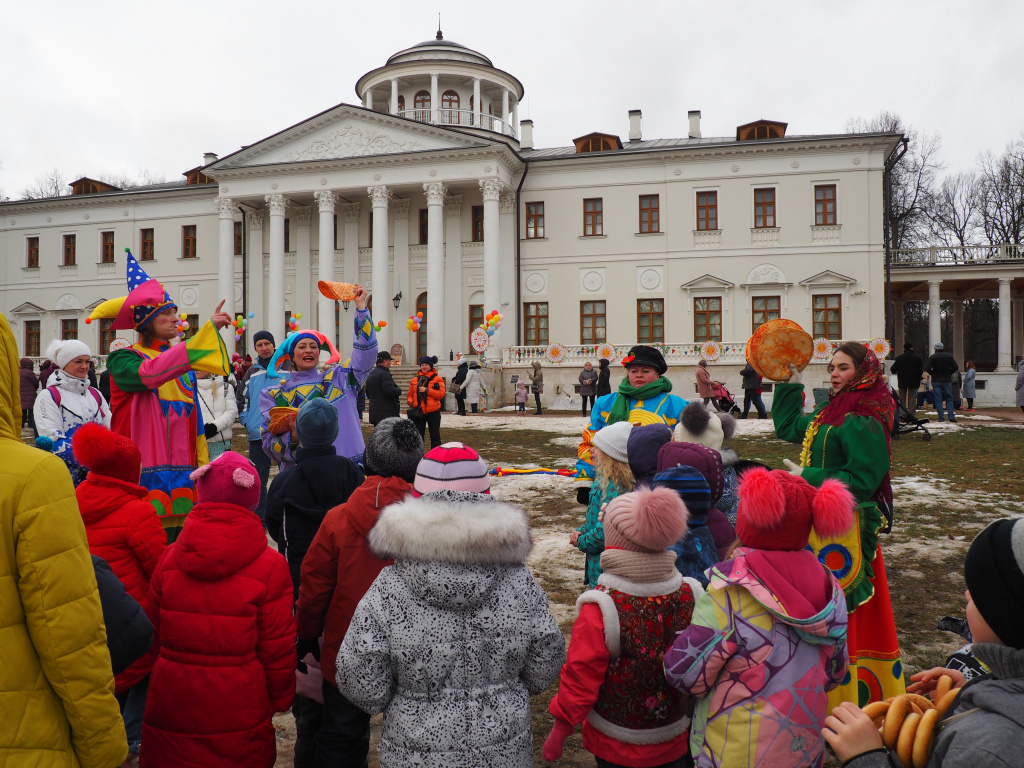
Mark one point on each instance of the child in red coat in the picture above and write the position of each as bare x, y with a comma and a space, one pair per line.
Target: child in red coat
124, 530
221, 606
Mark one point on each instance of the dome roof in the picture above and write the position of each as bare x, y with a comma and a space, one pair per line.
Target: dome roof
439, 49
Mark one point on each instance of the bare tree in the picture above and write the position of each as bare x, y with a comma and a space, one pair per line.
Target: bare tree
1002, 194
127, 181
954, 210
53, 183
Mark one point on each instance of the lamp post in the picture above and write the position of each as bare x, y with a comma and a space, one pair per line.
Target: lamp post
397, 299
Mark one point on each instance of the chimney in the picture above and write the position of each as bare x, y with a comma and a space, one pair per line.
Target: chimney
526, 134
694, 115
635, 133
209, 158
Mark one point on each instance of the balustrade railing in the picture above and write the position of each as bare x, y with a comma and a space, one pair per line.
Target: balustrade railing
970, 255
464, 117
733, 353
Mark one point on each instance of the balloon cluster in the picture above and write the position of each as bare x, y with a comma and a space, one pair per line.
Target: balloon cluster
293, 323
414, 322
182, 325
239, 324
380, 325
492, 322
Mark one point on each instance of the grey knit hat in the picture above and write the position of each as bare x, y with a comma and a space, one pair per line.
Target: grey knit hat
394, 449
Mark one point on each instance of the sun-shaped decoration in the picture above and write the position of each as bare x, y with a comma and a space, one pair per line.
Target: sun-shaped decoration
822, 348
880, 347
555, 353
606, 351
480, 340
119, 343
710, 351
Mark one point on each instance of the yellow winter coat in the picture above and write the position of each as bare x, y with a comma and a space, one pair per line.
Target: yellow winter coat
57, 705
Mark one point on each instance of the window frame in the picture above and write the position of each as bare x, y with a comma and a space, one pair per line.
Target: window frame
68, 324
33, 346
766, 205
477, 226
536, 336
593, 219
69, 250
655, 330
450, 108
421, 334
189, 237
288, 234
106, 335
476, 316
707, 314
535, 220
424, 225
193, 325
32, 253
107, 252
838, 309
421, 106
151, 241
238, 238
770, 314
825, 201
653, 224
598, 329
707, 213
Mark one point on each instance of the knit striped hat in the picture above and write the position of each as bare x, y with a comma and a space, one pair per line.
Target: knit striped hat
454, 467
692, 488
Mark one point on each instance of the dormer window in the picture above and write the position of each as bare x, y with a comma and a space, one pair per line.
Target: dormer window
87, 186
597, 142
196, 176
761, 129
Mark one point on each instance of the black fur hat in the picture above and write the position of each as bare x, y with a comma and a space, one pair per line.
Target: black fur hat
394, 449
641, 354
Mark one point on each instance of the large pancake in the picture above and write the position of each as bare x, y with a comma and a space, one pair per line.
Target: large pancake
775, 345
280, 418
337, 291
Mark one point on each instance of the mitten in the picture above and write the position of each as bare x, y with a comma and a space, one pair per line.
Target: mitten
303, 647
795, 377
210, 430
560, 731
583, 496
794, 468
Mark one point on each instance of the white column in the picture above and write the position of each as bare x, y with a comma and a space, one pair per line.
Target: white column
507, 272
504, 119
514, 125
492, 189
1018, 329
958, 332
435, 192
303, 270
369, 99
325, 269
380, 195
934, 319
275, 300
402, 284
477, 106
900, 334
435, 105
454, 308
1003, 346
255, 264
226, 264
351, 275
394, 96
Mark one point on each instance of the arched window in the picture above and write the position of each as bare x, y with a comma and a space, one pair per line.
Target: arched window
450, 108
421, 335
401, 105
422, 104
472, 114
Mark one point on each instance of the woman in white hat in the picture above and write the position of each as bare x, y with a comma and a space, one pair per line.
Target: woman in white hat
68, 402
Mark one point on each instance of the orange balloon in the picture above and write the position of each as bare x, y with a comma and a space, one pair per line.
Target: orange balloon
383, 323
419, 315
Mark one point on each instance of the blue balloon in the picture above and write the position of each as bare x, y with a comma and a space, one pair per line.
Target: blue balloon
252, 314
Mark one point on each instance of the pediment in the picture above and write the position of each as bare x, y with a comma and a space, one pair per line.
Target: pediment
27, 308
705, 282
93, 306
828, 277
346, 132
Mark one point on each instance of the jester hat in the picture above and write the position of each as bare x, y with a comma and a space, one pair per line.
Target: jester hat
145, 300
284, 352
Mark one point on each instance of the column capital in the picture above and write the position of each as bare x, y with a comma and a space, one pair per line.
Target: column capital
351, 213
492, 189
256, 217
380, 195
935, 282
453, 205
507, 202
326, 200
303, 216
435, 192
226, 207
1005, 281
400, 209
277, 204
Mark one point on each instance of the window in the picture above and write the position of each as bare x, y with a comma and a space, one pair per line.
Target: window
422, 104
825, 205
649, 220
369, 228
764, 208
421, 334
765, 308
535, 323
450, 108
707, 210
288, 236
32, 252
534, 221
401, 104
828, 321
707, 319
193, 325
106, 247
188, 241
476, 317
146, 242
68, 329
32, 338
335, 231
106, 335
238, 238
592, 325
593, 218
69, 250
478, 223
650, 321
424, 225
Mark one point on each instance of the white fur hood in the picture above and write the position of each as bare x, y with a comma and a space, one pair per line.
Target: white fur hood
454, 528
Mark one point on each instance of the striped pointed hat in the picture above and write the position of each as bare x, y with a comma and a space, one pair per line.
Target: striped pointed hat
145, 300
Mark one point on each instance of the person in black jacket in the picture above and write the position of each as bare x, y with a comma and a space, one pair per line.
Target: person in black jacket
909, 370
752, 392
129, 630
604, 376
941, 367
460, 379
384, 395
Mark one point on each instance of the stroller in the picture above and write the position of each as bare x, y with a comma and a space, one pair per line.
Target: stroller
905, 422
723, 400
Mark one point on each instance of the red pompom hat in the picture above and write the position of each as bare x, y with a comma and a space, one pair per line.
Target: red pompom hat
107, 453
777, 510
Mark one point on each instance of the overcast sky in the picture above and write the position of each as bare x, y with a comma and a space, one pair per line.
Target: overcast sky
118, 87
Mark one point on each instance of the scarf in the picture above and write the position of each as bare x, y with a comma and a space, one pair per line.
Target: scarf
639, 567
620, 408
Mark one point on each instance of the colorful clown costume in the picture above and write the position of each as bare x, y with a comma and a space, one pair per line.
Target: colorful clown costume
339, 384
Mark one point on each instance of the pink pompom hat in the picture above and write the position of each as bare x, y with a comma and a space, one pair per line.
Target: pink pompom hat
231, 479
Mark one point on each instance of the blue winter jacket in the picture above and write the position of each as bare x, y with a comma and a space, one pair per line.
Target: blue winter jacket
255, 382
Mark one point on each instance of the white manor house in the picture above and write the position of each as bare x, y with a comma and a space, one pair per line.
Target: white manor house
431, 194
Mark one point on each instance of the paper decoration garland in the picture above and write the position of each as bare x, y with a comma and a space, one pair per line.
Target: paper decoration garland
880, 347
502, 471
822, 348
710, 351
606, 352
555, 353
480, 340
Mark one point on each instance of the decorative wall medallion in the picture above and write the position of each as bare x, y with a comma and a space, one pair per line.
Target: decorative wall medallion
476, 281
124, 213
593, 281
650, 279
274, 185
795, 164
735, 169
49, 219
87, 216
189, 296
536, 283
224, 190
856, 161
66, 302
238, 294
376, 177
765, 273
677, 171
487, 169
433, 173
323, 182
13, 222
421, 282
